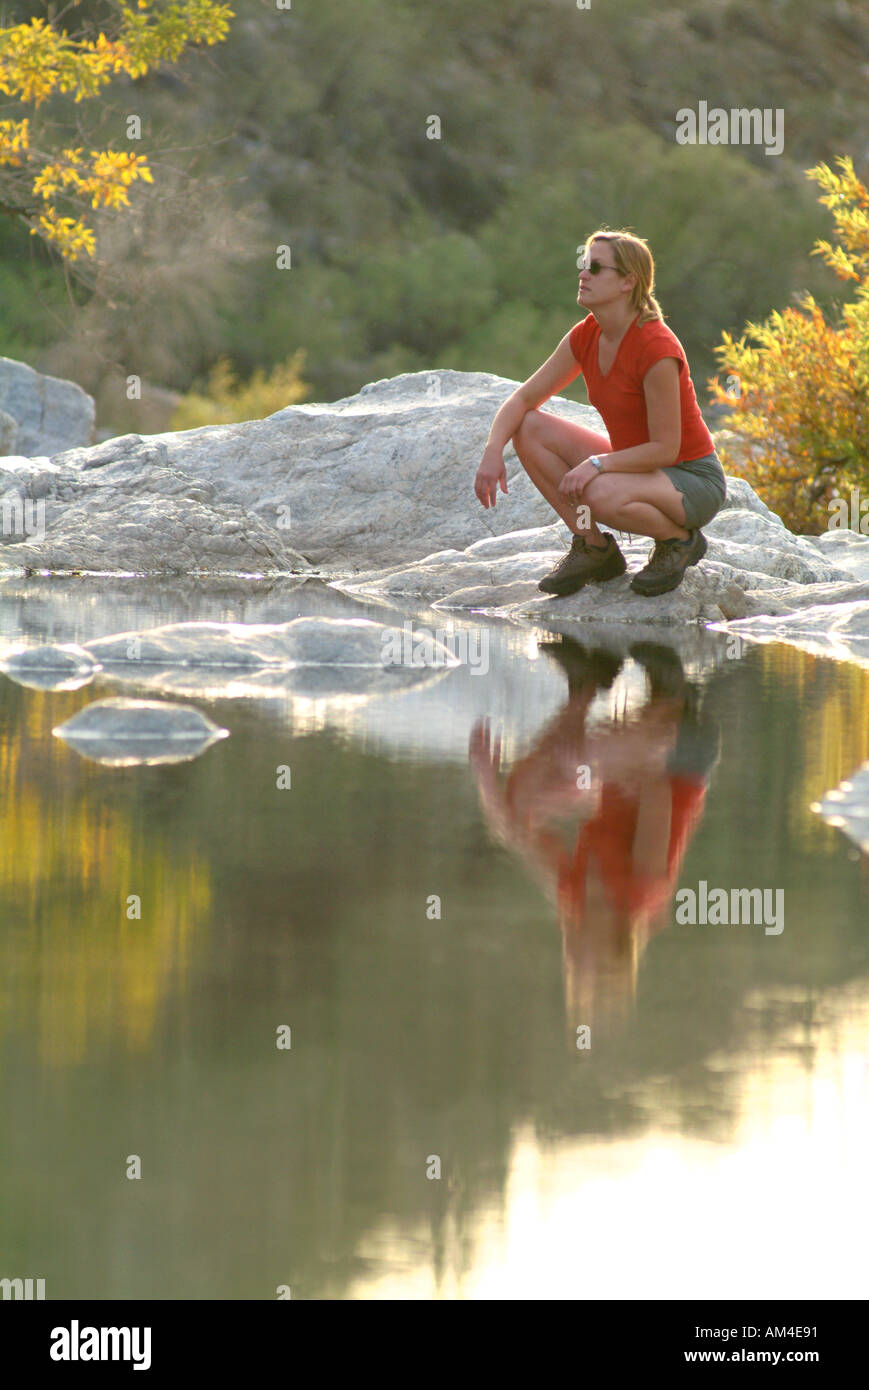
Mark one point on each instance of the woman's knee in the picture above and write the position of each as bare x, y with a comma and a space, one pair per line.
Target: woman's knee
529, 428
604, 495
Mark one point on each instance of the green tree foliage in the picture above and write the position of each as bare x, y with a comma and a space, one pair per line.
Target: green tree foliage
308, 127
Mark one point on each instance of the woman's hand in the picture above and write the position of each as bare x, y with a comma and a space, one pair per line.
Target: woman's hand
491, 472
572, 483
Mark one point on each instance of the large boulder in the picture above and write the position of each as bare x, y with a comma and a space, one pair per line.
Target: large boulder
157, 535
381, 477
377, 483
50, 415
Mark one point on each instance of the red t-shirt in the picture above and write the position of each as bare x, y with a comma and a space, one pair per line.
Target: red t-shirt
610, 837
619, 397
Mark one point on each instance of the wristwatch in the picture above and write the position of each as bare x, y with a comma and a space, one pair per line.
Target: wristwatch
596, 460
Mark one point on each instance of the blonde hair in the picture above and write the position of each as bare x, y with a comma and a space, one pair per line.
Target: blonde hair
632, 257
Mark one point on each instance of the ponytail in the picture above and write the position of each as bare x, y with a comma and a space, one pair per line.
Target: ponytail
633, 257
650, 309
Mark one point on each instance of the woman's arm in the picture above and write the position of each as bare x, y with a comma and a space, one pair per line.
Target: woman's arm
557, 372
664, 413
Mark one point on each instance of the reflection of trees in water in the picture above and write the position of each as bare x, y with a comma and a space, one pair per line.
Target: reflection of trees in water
79, 972
835, 702
445, 1038
413, 1037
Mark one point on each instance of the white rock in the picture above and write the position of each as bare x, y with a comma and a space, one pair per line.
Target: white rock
839, 630
847, 807
155, 535
378, 489
702, 595
539, 538
122, 733
381, 478
748, 540
848, 550
742, 497
50, 414
64, 666
508, 585
309, 656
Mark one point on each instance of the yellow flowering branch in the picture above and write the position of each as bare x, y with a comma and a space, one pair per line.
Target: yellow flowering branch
38, 61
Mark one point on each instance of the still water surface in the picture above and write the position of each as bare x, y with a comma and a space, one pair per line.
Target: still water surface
711, 1139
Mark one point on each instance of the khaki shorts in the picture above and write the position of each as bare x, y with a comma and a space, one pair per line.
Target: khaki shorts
703, 487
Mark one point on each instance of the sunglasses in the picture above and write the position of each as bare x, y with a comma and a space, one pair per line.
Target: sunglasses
595, 267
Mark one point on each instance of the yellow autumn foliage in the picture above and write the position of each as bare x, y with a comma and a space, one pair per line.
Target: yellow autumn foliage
40, 59
800, 396
76, 973
226, 400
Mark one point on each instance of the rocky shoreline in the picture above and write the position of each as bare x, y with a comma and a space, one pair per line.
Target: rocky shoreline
374, 494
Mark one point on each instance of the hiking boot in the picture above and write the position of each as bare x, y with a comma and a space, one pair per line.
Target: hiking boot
584, 564
668, 563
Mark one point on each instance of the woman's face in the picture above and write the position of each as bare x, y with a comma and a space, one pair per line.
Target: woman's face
607, 286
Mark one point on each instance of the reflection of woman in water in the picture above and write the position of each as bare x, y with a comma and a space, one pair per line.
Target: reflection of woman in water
638, 788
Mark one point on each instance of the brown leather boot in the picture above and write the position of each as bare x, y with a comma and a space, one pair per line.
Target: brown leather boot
584, 564
668, 563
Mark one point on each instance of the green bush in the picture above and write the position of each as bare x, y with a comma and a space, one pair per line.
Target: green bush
225, 400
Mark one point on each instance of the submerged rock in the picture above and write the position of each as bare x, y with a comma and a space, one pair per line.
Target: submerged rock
847, 807
125, 733
839, 629
312, 656
62, 667
248, 646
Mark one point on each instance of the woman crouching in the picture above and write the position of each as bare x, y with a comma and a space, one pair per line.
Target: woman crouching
655, 472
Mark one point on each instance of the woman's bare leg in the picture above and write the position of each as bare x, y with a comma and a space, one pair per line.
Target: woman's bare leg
644, 504
546, 465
